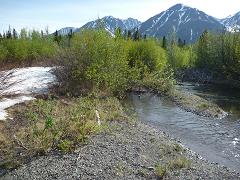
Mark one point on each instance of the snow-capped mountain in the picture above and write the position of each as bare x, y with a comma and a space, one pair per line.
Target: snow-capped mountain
232, 23
188, 23
66, 30
110, 24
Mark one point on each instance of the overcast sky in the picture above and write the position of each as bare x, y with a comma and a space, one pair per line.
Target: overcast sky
74, 13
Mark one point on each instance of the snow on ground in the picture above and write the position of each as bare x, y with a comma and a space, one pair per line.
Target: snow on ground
21, 84
6, 103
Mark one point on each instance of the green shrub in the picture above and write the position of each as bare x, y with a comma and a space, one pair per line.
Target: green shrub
65, 146
179, 57
161, 171
146, 56
26, 50
3, 53
97, 62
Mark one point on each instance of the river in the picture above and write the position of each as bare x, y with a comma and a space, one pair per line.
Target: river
217, 140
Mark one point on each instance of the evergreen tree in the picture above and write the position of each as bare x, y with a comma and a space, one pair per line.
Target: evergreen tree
125, 34
14, 34
136, 35
129, 34
47, 31
164, 43
9, 33
145, 37
57, 37
180, 42
42, 35
70, 35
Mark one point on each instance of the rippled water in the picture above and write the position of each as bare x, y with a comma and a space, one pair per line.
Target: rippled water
216, 140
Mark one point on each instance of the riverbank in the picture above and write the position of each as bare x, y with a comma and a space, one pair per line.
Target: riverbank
188, 102
125, 150
196, 104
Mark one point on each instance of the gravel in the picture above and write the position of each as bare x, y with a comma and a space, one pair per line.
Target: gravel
122, 151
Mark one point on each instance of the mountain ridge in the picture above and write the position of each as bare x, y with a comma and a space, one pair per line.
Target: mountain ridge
188, 23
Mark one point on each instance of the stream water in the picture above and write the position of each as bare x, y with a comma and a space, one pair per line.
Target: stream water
217, 140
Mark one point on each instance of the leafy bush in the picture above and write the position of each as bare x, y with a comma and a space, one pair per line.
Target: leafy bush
146, 56
179, 57
96, 62
26, 50
3, 53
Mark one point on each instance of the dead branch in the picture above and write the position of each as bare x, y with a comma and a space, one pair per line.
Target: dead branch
20, 143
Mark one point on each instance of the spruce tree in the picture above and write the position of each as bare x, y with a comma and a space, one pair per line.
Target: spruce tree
56, 36
125, 35
14, 34
70, 35
145, 37
9, 33
136, 35
184, 42
164, 43
180, 42
129, 34
42, 35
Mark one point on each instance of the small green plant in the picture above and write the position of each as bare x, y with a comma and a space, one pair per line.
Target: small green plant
54, 124
161, 171
203, 106
179, 163
65, 146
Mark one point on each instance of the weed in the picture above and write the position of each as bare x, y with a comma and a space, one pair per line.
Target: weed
179, 163
161, 171
65, 146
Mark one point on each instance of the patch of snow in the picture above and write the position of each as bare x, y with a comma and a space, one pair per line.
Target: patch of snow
6, 103
21, 84
180, 18
191, 34
27, 81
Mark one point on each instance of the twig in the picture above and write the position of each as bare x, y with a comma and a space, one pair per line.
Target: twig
19, 142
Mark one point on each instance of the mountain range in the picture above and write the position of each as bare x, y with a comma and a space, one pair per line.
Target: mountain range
188, 23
